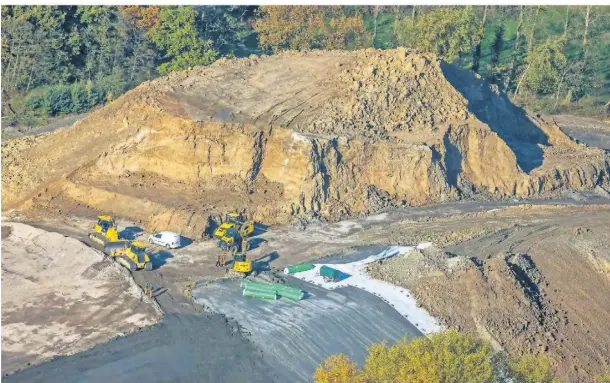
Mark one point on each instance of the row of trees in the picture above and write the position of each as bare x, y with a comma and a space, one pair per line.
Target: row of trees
557, 53
52, 52
449, 356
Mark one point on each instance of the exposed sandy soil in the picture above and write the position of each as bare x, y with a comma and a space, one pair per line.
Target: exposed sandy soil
525, 303
312, 139
330, 134
533, 279
60, 297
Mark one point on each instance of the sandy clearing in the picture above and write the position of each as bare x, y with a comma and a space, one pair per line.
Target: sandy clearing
60, 296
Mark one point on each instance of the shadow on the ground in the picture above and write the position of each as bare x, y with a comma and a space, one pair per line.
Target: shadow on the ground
185, 241
263, 263
494, 108
159, 258
453, 161
256, 242
131, 232
341, 276
259, 229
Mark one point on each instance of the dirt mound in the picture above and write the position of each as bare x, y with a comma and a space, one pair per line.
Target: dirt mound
540, 286
59, 297
324, 134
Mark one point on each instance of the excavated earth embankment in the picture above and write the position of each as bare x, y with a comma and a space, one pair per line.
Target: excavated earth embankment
320, 133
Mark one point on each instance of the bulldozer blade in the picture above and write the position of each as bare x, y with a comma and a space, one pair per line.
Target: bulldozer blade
127, 263
112, 246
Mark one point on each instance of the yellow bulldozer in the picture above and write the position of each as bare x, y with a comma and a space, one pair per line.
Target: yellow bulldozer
131, 254
105, 231
234, 221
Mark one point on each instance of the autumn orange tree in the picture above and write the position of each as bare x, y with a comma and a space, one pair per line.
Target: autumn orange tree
449, 356
310, 27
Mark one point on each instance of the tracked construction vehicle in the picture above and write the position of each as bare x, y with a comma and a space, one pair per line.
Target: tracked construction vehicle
131, 254
233, 241
242, 264
105, 231
234, 221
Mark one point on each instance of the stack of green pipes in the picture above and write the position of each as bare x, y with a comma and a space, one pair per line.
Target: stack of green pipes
270, 290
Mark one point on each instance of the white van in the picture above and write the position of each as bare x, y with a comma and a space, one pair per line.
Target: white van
168, 239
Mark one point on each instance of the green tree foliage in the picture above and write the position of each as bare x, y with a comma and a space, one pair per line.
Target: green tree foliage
176, 33
446, 31
495, 69
311, 27
532, 369
449, 356
226, 27
544, 67
102, 50
446, 357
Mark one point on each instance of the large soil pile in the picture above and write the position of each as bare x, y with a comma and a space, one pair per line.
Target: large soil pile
322, 133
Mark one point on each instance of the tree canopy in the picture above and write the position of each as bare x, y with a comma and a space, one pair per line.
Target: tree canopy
450, 356
310, 27
448, 32
552, 58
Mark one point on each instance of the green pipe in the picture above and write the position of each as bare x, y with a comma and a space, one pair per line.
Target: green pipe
245, 283
283, 288
260, 294
292, 296
260, 290
298, 268
278, 288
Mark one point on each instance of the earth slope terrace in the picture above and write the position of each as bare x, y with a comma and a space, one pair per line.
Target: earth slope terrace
317, 133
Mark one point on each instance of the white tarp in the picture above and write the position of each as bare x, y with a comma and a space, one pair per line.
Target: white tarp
398, 297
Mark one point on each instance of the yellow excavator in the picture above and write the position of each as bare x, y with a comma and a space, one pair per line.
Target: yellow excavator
241, 263
105, 231
131, 254
235, 221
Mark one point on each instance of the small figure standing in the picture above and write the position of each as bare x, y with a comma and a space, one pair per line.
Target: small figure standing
218, 260
148, 288
223, 258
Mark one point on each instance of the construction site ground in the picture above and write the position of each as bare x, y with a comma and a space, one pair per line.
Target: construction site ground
223, 336
332, 152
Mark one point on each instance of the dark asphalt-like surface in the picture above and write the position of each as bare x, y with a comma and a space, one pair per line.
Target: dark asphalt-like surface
297, 336
182, 348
